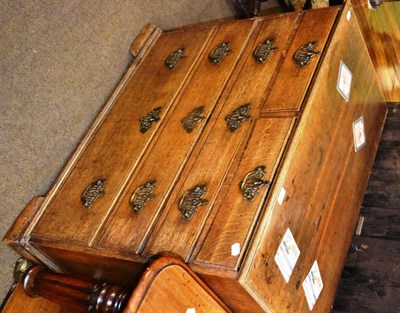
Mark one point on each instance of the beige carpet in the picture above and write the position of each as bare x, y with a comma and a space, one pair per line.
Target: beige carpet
60, 60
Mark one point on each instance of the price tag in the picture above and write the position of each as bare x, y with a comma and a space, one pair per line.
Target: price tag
344, 81
281, 196
235, 249
359, 134
287, 255
313, 285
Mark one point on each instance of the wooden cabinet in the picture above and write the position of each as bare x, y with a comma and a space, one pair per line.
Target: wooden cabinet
224, 143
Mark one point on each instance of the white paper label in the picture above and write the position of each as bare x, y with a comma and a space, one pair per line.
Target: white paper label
281, 196
313, 285
287, 255
348, 15
359, 134
235, 249
344, 81
191, 310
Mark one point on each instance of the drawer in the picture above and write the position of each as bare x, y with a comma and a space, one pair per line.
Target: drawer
173, 233
165, 161
238, 211
290, 86
115, 149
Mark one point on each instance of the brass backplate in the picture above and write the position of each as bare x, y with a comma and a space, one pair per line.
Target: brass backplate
237, 117
150, 118
192, 119
191, 200
264, 50
303, 55
252, 182
142, 195
92, 192
219, 52
173, 59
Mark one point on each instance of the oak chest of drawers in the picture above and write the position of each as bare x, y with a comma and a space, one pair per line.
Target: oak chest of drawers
242, 147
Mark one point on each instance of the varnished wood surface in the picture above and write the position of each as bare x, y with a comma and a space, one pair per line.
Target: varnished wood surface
111, 154
173, 147
370, 280
381, 30
16, 232
213, 164
18, 302
236, 215
321, 204
169, 285
313, 25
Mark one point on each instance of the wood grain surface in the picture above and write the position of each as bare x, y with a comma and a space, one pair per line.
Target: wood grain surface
370, 280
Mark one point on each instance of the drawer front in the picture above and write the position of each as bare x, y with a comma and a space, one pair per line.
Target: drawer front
290, 86
128, 228
324, 179
90, 189
238, 211
177, 232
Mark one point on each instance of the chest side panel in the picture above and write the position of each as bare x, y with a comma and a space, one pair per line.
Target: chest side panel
322, 167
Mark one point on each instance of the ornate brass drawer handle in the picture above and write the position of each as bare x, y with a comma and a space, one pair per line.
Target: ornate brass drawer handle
191, 200
219, 52
192, 119
150, 118
172, 60
237, 117
264, 50
92, 192
141, 195
252, 182
303, 55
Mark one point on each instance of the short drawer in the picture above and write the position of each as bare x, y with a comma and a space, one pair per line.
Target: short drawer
302, 56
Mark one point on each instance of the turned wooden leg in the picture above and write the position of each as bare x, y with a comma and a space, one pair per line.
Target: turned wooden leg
79, 294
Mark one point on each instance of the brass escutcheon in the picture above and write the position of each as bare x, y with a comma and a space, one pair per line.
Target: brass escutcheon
191, 200
150, 118
237, 117
172, 60
303, 55
92, 192
252, 182
264, 50
142, 195
192, 119
219, 52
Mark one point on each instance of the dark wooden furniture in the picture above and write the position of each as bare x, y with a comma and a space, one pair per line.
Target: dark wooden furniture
228, 145
167, 285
